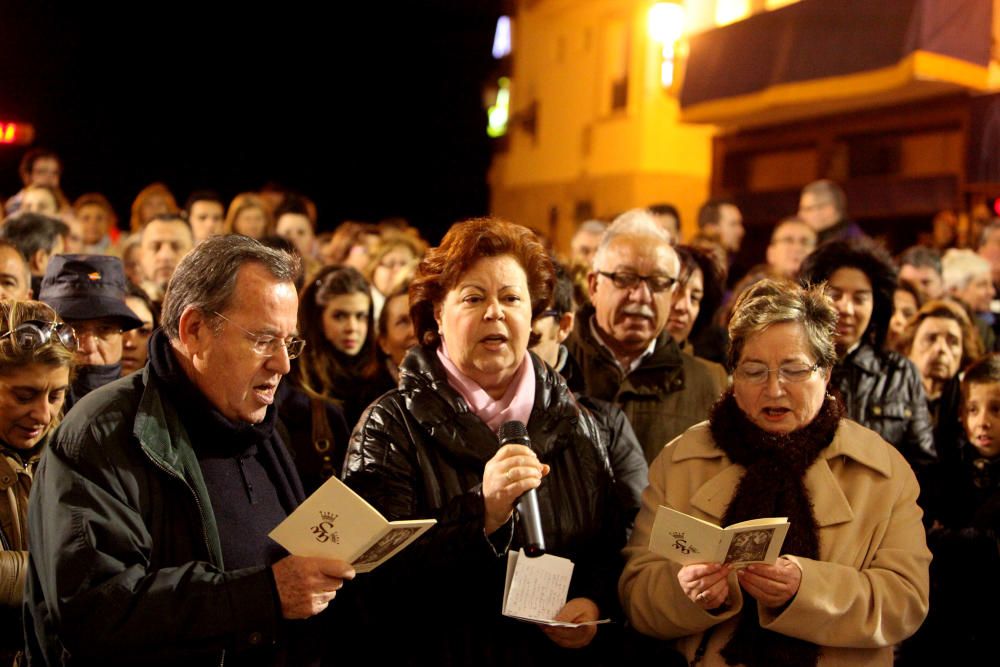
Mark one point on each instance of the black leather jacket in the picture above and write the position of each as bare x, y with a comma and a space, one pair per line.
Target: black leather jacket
419, 452
883, 391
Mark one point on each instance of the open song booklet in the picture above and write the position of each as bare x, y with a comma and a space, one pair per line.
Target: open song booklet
685, 539
335, 522
536, 589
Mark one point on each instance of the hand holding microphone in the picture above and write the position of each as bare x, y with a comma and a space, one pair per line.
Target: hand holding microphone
512, 472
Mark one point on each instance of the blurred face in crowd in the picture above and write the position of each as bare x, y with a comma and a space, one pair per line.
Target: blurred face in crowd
237, 380
360, 253
388, 268
73, 240
485, 321
100, 341
790, 243
852, 295
399, 335
252, 222
629, 318
584, 245
937, 349
40, 200
686, 306
206, 218
552, 329
773, 403
164, 243
818, 211
152, 206
94, 222
977, 293
730, 227
298, 230
904, 307
31, 397
981, 416
990, 251
45, 171
668, 223
132, 263
15, 281
345, 322
134, 342
927, 281
40, 260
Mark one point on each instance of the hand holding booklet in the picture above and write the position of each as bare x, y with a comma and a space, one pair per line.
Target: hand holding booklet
536, 589
686, 539
335, 522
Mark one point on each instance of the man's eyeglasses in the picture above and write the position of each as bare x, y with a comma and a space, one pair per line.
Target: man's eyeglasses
34, 334
757, 373
105, 331
268, 346
628, 280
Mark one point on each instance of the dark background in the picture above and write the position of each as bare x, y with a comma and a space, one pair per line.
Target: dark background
372, 110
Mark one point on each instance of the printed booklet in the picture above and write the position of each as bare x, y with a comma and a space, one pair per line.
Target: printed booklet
335, 522
685, 539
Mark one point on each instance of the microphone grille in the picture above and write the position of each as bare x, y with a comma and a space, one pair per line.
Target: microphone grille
513, 430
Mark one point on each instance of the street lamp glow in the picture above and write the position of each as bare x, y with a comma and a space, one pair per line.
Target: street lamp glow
666, 22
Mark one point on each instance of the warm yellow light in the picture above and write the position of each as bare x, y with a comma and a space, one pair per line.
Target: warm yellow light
666, 22
730, 11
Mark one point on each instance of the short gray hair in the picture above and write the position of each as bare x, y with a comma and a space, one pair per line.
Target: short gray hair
637, 222
770, 302
827, 190
592, 227
960, 265
206, 277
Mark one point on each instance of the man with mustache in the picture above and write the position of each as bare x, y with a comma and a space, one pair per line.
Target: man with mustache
621, 343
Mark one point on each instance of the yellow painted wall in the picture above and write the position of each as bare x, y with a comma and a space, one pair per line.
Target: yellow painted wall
565, 56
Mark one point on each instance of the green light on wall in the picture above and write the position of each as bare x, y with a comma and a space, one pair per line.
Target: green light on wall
499, 113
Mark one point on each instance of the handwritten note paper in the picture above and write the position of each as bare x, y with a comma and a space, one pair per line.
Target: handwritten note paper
536, 588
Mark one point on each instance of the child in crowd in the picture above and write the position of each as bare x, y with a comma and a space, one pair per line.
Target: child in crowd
965, 536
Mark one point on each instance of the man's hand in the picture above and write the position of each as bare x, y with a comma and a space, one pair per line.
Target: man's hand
307, 585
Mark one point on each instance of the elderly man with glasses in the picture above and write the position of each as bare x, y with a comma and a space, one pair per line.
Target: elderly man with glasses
626, 354
158, 492
88, 292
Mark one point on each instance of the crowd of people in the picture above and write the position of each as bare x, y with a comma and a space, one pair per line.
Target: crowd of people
212, 365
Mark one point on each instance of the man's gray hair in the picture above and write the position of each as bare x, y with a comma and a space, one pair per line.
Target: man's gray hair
988, 231
634, 223
827, 190
959, 266
206, 277
592, 227
768, 302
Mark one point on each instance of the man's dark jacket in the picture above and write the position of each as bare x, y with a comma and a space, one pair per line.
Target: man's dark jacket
418, 452
126, 564
669, 392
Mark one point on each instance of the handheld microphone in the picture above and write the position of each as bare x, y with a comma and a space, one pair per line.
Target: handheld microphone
516, 433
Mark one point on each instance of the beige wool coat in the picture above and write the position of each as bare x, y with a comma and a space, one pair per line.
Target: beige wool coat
867, 592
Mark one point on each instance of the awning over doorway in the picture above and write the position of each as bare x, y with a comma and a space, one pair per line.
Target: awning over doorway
819, 56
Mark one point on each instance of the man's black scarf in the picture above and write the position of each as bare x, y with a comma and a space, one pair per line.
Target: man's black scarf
772, 486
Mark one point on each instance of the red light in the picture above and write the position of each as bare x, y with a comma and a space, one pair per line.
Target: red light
16, 133
996, 206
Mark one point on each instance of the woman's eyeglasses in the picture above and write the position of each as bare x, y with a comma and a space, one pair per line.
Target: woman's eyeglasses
756, 373
33, 334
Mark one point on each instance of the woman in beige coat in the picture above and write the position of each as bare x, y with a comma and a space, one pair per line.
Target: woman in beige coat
853, 580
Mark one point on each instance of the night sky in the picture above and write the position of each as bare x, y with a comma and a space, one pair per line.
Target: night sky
372, 111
